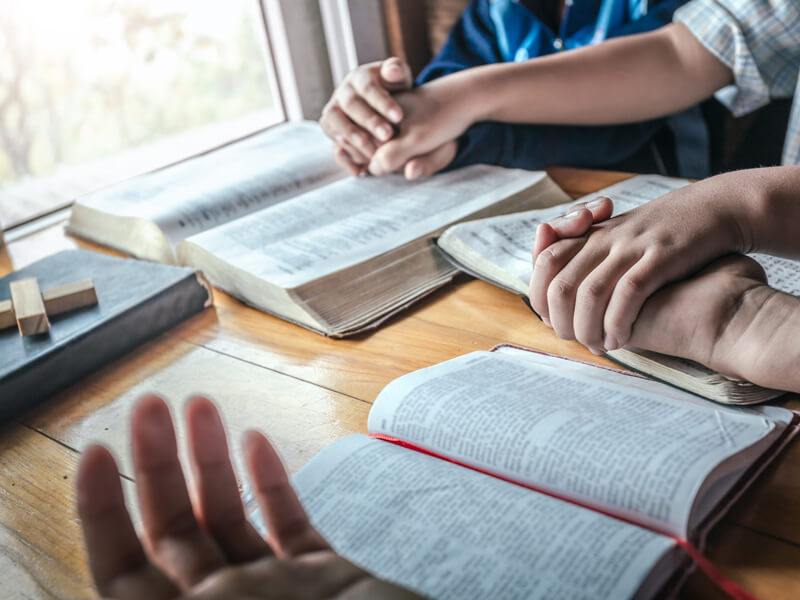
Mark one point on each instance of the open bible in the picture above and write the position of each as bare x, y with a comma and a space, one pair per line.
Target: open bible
272, 220
516, 474
498, 250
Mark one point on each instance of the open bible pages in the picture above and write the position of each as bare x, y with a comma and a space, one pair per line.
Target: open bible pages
338, 258
449, 532
606, 441
149, 214
355, 219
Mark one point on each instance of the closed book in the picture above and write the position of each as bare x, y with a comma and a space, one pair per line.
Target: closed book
137, 301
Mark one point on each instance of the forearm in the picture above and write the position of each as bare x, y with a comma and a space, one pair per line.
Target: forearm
769, 201
761, 342
623, 80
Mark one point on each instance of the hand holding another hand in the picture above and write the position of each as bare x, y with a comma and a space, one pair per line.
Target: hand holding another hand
592, 274
374, 105
702, 316
362, 112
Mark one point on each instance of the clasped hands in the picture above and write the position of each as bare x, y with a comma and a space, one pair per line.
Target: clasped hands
380, 125
664, 276
200, 544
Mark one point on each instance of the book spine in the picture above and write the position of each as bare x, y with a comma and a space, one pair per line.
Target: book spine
79, 356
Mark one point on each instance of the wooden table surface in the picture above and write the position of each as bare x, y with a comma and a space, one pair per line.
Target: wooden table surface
304, 391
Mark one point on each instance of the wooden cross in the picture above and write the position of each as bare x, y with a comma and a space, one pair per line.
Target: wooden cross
29, 307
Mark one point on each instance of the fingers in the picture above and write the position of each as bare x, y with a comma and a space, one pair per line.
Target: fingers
576, 222
216, 491
356, 105
396, 77
290, 531
549, 263
118, 563
177, 543
601, 208
338, 126
375, 87
629, 294
573, 224
545, 236
568, 293
562, 292
591, 302
346, 162
363, 110
433, 162
393, 155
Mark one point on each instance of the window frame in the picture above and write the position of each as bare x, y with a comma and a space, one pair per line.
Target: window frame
355, 33
309, 47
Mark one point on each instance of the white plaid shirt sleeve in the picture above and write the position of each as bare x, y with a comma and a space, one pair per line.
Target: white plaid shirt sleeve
760, 41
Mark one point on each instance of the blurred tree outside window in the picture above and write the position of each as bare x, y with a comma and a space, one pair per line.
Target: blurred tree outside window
96, 91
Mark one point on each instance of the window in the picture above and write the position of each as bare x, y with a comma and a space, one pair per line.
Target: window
96, 91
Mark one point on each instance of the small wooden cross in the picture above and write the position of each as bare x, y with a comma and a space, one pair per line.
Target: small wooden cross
29, 307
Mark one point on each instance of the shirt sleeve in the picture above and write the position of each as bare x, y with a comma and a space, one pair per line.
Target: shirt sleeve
471, 42
756, 39
660, 14
541, 146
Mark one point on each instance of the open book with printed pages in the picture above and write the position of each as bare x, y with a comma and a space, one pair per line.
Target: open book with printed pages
498, 250
273, 220
514, 473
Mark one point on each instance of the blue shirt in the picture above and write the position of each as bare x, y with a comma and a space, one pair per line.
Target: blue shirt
504, 30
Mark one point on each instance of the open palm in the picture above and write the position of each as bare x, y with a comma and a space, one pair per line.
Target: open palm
204, 547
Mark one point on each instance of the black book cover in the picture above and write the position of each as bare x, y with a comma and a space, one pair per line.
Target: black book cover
137, 301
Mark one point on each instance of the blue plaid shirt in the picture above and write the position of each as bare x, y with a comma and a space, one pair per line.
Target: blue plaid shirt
759, 40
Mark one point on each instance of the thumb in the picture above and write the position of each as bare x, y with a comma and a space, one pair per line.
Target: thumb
545, 236
396, 74
573, 224
432, 162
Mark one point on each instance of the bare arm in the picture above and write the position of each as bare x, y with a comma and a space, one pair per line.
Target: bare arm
728, 318
623, 80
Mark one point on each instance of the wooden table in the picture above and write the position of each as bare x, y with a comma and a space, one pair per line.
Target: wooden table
304, 391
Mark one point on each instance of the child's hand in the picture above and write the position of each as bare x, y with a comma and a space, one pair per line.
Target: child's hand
362, 113
436, 114
591, 288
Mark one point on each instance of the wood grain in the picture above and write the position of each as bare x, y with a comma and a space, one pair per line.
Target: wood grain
42, 546
470, 315
7, 316
70, 296
762, 565
299, 418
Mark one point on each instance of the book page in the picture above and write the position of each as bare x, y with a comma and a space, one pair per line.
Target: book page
639, 382
621, 447
222, 185
449, 532
782, 273
355, 219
